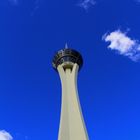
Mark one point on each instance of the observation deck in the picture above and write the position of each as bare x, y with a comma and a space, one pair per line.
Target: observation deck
67, 57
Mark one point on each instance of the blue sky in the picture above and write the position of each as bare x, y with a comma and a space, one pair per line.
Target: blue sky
106, 33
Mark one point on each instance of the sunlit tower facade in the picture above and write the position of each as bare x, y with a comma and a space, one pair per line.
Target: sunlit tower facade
67, 62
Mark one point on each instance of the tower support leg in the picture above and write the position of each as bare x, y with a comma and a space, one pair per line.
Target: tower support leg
72, 125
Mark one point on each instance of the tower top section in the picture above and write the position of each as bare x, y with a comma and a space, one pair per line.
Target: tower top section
67, 57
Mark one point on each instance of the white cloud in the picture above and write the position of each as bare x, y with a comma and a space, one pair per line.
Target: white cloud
5, 135
86, 4
124, 45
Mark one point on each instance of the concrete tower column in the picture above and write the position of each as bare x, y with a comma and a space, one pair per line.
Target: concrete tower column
68, 62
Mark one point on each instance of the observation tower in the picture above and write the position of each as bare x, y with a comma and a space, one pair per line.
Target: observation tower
67, 62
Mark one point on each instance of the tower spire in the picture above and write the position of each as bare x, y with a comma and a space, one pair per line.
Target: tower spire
66, 45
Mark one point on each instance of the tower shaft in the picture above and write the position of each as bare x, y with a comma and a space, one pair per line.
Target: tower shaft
72, 125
